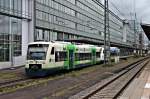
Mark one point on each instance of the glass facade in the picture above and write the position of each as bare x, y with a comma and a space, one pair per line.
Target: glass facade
4, 38
10, 37
15, 8
77, 18
53, 12
11, 14
13, 5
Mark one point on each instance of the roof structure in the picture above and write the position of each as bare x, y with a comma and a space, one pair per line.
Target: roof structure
146, 28
96, 42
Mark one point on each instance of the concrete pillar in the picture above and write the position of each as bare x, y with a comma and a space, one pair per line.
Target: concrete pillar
32, 21
25, 31
125, 27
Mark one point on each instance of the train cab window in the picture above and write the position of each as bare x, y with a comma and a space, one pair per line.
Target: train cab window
37, 51
52, 51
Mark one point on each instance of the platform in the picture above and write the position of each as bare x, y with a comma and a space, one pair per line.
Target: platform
140, 87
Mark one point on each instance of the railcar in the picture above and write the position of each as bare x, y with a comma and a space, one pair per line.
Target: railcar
115, 54
44, 58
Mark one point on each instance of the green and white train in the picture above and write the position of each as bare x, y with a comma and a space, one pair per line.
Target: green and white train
44, 58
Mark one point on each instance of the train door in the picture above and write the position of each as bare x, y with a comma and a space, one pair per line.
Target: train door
71, 59
93, 56
52, 57
102, 54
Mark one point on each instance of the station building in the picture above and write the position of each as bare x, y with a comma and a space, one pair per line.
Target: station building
15, 26
24, 21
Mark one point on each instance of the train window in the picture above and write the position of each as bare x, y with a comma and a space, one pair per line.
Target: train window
97, 54
82, 56
37, 51
52, 51
60, 56
76, 56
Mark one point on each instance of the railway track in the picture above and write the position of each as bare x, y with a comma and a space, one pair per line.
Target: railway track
10, 86
111, 88
20, 83
8, 83
6, 87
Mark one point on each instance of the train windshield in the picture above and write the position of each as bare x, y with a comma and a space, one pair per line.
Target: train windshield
37, 51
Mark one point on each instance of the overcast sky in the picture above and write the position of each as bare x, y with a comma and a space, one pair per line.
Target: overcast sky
128, 7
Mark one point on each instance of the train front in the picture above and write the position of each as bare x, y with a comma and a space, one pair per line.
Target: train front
36, 59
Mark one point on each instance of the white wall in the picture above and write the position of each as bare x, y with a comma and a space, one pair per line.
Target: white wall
19, 61
5, 65
25, 33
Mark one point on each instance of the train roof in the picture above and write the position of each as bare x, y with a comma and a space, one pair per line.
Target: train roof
64, 43
39, 43
61, 42
51, 42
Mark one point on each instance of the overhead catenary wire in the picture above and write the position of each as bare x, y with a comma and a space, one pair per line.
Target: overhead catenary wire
123, 8
118, 10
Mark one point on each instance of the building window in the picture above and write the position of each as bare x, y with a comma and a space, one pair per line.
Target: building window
66, 36
16, 31
39, 35
60, 36
10, 34
4, 38
45, 35
5, 4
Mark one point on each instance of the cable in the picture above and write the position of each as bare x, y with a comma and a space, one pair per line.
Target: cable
122, 14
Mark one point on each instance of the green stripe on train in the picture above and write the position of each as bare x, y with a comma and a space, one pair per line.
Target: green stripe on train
93, 51
71, 60
70, 63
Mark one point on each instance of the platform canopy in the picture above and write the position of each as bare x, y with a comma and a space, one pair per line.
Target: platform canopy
96, 42
146, 28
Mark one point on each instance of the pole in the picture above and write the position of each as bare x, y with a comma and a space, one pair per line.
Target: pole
135, 45
106, 34
11, 40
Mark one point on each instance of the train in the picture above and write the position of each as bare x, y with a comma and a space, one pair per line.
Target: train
44, 58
